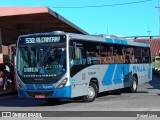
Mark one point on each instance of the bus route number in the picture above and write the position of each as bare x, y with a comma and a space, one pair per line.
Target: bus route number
30, 40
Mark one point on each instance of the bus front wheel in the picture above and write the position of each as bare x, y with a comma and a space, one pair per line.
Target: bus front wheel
92, 93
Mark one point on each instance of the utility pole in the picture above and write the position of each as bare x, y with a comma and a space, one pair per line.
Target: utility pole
159, 20
149, 35
158, 15
149, 31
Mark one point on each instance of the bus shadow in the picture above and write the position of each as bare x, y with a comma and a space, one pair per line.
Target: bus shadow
154, 83
16, 102
114, 92
118, 92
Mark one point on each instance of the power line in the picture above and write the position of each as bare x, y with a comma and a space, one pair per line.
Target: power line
109, 5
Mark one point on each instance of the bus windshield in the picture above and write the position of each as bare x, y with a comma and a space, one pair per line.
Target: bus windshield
42, 60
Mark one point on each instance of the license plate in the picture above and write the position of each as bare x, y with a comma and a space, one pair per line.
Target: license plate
39, 96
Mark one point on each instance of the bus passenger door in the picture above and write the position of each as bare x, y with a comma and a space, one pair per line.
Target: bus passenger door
77, 69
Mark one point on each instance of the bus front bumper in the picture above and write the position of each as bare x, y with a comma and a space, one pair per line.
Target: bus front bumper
40, 94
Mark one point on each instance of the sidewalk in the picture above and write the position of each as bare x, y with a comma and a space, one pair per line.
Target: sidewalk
9, 91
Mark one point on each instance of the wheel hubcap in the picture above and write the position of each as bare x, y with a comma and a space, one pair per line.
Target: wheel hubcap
134, 85
91, 92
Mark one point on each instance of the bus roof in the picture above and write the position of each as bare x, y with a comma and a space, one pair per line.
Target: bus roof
107, 39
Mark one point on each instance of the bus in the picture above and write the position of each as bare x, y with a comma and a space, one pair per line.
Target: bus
59, 65
156, 65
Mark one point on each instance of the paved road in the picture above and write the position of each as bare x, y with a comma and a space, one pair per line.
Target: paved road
147, 99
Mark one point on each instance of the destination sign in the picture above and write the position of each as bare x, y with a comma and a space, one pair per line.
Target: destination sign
42, 39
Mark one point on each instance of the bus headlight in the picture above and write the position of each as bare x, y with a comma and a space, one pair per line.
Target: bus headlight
63, 83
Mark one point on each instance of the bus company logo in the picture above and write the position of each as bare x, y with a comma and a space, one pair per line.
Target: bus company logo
138, 68
48, 87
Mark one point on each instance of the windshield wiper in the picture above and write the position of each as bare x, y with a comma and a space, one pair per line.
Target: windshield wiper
45, 54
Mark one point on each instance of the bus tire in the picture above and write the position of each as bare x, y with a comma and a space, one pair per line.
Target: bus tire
133, 88
92, 93
52, 100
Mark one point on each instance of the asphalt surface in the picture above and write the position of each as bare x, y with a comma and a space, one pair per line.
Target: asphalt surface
147, 99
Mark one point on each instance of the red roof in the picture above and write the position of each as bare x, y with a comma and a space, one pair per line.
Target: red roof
12, 11
154, 42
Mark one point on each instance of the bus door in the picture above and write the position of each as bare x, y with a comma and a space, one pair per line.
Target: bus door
78, 53
77, 70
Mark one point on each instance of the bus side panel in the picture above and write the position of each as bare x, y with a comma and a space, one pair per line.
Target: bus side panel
118, 77
109, 76
112, 78
80, 81
143, 71
127, 74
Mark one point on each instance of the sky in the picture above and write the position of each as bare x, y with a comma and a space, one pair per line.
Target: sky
134, 19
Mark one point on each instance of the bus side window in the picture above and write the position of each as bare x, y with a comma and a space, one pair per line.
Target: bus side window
89, 57
76, 54
118, 54
106, 53
92, 53
138, 54
145, 55
71, 55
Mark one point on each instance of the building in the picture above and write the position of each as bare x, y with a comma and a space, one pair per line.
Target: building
16, 21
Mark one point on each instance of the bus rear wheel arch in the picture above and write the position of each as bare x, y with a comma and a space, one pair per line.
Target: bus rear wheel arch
134, 85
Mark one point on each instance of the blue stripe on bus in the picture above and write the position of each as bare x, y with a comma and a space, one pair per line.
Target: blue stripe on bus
30, 86
107, 79
109, 40
116, 41
124, 42
23, 94
149, 70
57, 93
118, 74
126, 72
63, 92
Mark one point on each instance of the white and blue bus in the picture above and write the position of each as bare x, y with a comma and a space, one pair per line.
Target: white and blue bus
58, 65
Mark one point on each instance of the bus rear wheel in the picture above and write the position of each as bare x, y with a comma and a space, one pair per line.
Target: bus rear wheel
133, 88
92, 93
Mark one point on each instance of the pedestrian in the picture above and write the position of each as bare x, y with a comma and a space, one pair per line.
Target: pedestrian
1, 80
6, 77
